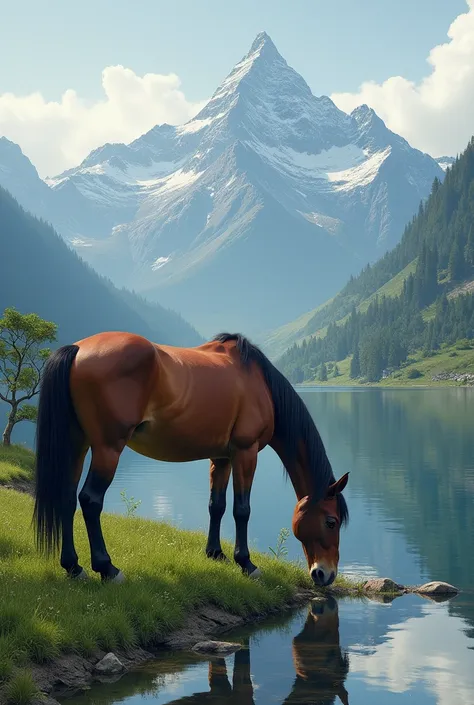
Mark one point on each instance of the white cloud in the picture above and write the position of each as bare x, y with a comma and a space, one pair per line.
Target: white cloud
58, 135
434, 115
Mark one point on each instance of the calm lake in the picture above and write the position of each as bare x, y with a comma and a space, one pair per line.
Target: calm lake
411, 502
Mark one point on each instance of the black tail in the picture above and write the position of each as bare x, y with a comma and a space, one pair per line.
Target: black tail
55, 449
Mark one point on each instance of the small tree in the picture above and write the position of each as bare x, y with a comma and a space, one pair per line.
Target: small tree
323, 373
355, 364
22, 359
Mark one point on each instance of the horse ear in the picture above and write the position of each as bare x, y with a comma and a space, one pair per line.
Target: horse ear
338, 486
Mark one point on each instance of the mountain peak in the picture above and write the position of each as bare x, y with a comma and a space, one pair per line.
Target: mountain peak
262, 42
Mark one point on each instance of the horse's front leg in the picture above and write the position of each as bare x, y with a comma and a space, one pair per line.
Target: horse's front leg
244, 463
219, 476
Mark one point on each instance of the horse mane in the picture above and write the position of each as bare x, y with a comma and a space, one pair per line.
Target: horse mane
293, 422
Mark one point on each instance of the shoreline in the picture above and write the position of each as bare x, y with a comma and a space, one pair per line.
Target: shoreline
205, 615
71, 674
304, 386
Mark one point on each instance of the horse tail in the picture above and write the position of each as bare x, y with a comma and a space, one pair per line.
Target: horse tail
54, 447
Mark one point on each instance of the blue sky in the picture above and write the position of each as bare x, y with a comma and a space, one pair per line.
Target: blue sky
76, 75
336, 44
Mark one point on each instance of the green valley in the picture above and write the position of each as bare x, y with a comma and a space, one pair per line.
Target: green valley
397, 322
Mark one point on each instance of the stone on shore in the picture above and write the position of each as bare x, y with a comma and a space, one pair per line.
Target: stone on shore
436, 587
382, 585
109, 665
219, 648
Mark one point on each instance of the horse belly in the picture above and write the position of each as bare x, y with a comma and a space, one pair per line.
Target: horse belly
166, 443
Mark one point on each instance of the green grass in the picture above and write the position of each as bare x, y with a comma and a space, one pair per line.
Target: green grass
449, 359
21, 689
16, 464
42, 614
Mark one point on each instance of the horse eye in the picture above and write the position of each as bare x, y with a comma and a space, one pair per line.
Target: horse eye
330, 522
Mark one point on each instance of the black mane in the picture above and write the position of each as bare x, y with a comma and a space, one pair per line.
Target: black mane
293, 422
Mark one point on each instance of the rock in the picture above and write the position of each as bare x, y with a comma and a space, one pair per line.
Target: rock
436, 588
109, 665
382, 585
221, 648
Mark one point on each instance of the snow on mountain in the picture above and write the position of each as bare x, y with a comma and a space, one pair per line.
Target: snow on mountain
445, 162
256, 209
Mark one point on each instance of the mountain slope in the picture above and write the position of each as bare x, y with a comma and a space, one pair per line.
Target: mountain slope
39, 273
418, 296
267, 185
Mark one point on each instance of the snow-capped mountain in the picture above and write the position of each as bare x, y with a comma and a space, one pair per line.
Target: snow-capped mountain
254, 210
445, 162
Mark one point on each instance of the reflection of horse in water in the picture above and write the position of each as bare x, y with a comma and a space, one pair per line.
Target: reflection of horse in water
239, 692
320, 666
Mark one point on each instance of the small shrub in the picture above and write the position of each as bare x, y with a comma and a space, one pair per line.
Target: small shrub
281, 549
453, 354
21, 689
131, 503
414, 374
464, 344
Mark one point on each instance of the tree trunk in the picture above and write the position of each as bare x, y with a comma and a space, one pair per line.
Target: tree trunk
7, 434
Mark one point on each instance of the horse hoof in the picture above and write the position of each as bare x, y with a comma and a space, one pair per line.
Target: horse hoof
257, 573
119, 578
82, 575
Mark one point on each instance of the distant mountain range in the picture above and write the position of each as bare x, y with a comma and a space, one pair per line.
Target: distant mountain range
255, 210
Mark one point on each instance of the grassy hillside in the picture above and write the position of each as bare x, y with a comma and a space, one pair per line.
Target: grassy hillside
305, 327
449, 366
16, 464
43, 615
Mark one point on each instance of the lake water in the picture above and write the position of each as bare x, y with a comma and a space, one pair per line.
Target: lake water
411, 501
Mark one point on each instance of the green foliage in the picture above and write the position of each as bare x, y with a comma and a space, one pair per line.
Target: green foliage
414, 373
21, 690
323, 373
381, 333
131, 503
355, 363
281, 549
22, 359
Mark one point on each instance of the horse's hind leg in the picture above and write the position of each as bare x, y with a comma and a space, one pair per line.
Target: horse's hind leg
101, 473
69, 558
219, 476
244, 464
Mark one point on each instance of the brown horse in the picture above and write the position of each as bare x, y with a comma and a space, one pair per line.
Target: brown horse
223, 400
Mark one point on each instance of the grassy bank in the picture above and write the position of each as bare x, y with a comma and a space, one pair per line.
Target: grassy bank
43, 615
418, 371
16, 464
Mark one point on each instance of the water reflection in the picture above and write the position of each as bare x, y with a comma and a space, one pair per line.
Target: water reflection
320, 670
320, 665
357, 651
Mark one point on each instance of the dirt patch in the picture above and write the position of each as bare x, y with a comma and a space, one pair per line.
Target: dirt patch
20, 485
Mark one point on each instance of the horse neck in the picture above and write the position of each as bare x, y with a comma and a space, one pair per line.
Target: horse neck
297, 469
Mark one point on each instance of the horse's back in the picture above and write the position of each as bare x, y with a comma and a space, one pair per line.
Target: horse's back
185, 401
